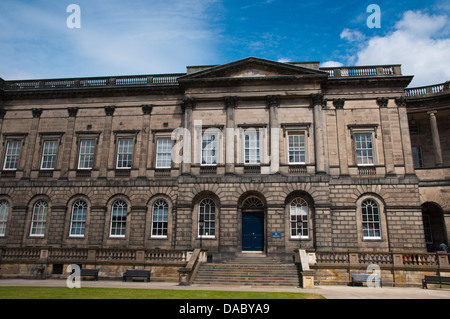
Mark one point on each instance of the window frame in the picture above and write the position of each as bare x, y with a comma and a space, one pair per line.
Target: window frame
54, 155
118, 152
428, 233
417, 151
42, 221
216, 149
4, 216
296, 221
165, 223
364, 129
80, 153
370, 223
158, 153
118, 221
250, 132
364, 150
288, 148
78, 221
5, 158
202, 232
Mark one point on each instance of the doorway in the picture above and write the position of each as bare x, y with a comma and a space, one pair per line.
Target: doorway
253, 231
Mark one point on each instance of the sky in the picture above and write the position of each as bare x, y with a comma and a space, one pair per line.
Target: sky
43, 39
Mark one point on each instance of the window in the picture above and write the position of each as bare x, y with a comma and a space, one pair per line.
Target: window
118, 219
371, 226
296, 148
160, 218
427, 229
86, 156
364, 149
12, 155
49, 154
207, 218
164, 153
78, 223
125, 153
39, 218
4, 212
252, 148
298, 213
209, 149
417, 156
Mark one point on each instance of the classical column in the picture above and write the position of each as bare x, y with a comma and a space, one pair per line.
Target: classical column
230, 105
435, 138
317, 103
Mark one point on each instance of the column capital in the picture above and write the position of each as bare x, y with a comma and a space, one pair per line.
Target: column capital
72, 111
109, 110
36, 112
432, 113
230, 101
382, 101
338, 103
147, 109
400, 101
188, 103
317, 99
273, 101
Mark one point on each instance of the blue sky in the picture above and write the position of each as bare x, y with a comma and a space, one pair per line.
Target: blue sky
164, 36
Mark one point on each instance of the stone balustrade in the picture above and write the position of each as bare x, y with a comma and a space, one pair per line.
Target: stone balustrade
397, 268
428, 90
86, 255
363, 71
95, 82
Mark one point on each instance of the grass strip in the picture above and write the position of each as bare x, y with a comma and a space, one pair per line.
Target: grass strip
129, 293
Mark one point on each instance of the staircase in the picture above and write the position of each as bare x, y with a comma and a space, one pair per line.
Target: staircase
250, 270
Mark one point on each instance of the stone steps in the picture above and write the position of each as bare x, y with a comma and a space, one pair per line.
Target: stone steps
253, 270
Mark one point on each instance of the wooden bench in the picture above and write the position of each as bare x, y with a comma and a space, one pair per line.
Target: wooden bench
90, 273
438, 280
362, 278
130, 273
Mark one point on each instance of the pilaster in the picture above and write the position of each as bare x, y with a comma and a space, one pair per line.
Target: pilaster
230, 105
317, 102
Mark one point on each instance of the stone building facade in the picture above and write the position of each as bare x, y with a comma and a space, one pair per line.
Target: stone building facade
249, 156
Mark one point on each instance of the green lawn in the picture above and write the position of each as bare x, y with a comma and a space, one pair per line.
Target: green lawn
126, 293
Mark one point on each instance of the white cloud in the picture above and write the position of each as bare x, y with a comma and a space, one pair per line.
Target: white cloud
331, 64
419, 42
352, 35
284, 60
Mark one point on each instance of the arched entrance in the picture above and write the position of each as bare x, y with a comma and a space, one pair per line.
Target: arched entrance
434, 226
253, 224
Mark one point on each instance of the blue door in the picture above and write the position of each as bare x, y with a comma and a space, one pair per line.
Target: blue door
253, 231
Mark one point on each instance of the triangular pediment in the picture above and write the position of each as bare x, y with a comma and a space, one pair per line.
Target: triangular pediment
252, 68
